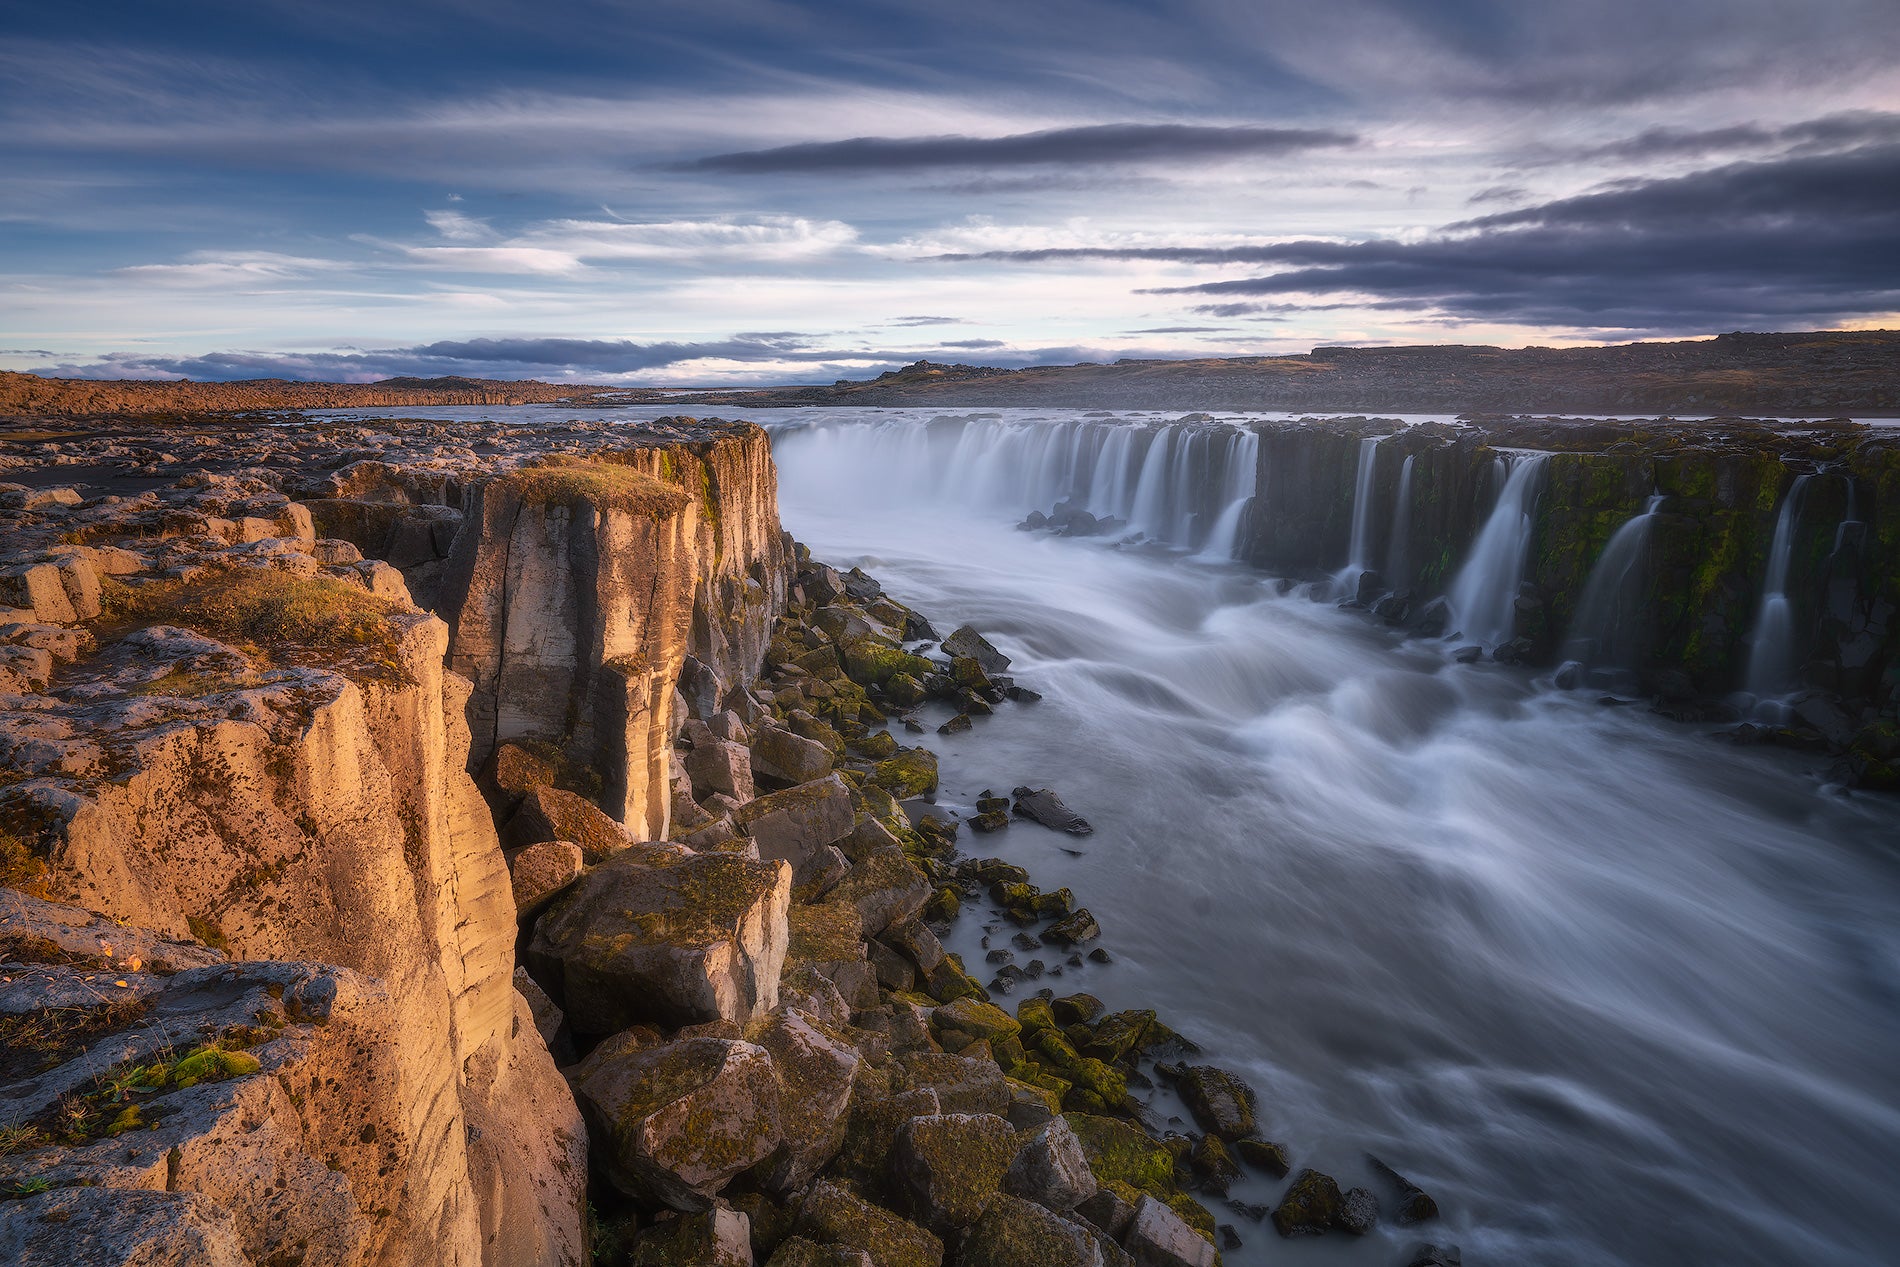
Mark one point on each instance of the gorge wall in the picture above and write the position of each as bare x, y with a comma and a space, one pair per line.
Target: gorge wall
242, 839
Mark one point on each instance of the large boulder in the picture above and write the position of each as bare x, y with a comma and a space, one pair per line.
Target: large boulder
798, 823
719, 766
796, 1251
836, 1215
1051, 1169
673, 1123
966, 641
539, 872
673, 940
964, 1084
783, 757
949, 1165
718, 1237
886, 888
817, 1068
1311, 1205
1221, 1102
547, 813
1017, 1233
1159, 1237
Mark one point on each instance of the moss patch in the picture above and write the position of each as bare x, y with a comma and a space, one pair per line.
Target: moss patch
563, 480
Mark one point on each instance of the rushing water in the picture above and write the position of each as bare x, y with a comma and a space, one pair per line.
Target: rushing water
1771, 645
1613, 991
1605, 635
1484, 594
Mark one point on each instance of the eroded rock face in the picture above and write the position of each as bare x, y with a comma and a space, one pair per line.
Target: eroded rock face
293, 812
675, 1122
575, 602
651, 936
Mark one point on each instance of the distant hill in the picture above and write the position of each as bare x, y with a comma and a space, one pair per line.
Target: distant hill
29, 394
1812, 373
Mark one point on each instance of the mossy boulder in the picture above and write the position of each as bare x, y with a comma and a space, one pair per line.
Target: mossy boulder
912, 772
661, 938
718, 1237
1221, 1102
885, 888
978, 1019
1120, 1153
873, 661
949, 1165
1159, 1237
799, 1252
673, 1123
962, 1085
1017, 1233
548, 813
817, 1068
833, 1213
1311, 1205
1119, 1033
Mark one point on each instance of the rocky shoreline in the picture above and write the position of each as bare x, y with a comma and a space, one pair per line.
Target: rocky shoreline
660, 981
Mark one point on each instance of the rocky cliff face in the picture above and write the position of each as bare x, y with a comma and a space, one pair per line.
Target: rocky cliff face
577, 589
242, 745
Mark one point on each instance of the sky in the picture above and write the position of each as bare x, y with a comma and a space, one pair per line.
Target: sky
755, 191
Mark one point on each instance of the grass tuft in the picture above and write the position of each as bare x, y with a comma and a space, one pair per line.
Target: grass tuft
561, 479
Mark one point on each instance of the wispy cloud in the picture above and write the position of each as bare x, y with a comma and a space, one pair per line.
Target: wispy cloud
1097, 145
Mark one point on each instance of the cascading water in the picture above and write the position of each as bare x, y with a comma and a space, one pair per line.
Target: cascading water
1183, 484
1483, 597
1242, 466
1604, 642
1771, 646
1359, 553
1398, 553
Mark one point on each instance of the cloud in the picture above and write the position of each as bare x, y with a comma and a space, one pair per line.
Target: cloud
228, 268
458, 227
926, 321
1844, 130
1186, 329
1101, 144
1807, 240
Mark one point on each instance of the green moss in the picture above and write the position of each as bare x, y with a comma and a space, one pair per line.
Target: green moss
560, 479
872, 661
1120, 1153
264, 606
912, 772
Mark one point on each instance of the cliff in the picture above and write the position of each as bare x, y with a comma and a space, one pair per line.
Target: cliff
243, 839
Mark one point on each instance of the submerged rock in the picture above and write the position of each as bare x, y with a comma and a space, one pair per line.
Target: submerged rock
1046, 807
1311, 1206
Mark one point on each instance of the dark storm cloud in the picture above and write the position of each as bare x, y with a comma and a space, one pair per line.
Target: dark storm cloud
1830, 132
1804, 239
1108, 143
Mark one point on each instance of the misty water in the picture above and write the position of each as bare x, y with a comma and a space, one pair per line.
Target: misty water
1612, 990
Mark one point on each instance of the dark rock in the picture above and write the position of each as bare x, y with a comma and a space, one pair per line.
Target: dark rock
949, 1165
1436, 1256
1077, 928
1516, 651
1046, 807
1229, 1238
956, 725
1215, 1165
1310, 1206
1433, 620
1264, 1156
966, 641
1248, 1210
1221, 1102
1159, 1237
1468, 655
1358, 1211
1022, 694
1107, 1211
1051, 1169
1414, 1204
837, 1215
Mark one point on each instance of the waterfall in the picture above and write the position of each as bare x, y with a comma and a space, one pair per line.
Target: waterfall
1241, 461
1771, 646
1398, 556
1358, 562
1185, 484
1605, 635
1483, 596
